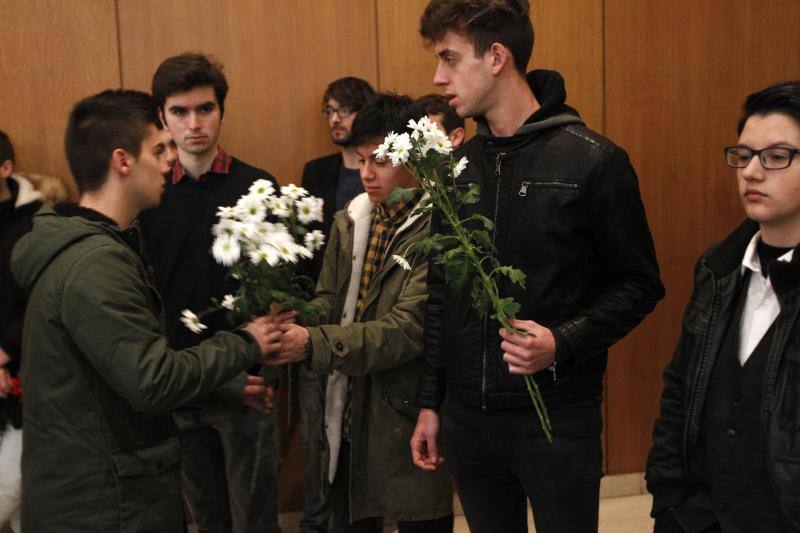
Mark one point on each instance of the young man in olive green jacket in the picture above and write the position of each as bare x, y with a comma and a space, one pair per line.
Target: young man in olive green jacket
100, 453
369, 340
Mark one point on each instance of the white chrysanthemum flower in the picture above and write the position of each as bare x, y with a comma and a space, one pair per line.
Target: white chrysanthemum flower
309, 210
284, 244
265, 253
400, 260
459, 167
281, 207
192, 322
382, 151
251, 208
314, 240
226, 249
227, 212
245, 230
401, 150
302, 251
226, 226
423, 125
262, 189
293, 191
436, 139
228, 301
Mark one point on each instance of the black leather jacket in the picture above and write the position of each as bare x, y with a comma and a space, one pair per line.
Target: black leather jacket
676, 431
567, 211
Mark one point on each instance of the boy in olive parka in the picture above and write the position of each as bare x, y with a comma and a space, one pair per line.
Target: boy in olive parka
100, 452
368, 339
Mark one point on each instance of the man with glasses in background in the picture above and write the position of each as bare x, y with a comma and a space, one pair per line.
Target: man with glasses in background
335, 179
726, 446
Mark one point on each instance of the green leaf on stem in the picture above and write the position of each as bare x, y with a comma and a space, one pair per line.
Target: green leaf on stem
472, 195
400, 194
516, 275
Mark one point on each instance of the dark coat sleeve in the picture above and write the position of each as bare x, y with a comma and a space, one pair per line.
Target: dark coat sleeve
431, 388
666, 466
633, 286
106, 312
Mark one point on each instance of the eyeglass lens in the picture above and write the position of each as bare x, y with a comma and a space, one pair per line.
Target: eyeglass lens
771, 158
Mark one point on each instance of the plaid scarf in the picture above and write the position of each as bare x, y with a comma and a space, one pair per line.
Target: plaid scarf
383, 227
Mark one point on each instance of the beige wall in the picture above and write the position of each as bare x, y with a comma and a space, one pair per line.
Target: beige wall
663, 79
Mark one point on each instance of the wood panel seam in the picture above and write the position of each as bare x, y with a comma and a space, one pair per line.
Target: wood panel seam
119, 44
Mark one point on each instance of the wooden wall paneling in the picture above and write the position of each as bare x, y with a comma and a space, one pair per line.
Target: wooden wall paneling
676, 76
278, 57
52, 55
569, 38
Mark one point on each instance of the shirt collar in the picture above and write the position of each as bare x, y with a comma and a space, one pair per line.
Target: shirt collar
220, 165
751, 259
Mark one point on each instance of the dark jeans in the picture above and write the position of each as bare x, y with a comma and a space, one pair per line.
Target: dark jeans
340, 506
316, 509
501, 458
218, 453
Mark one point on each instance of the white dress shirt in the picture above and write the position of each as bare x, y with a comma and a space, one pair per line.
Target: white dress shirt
761, 306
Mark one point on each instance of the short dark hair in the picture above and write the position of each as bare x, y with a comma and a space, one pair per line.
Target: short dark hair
483, 22
100, 124
6, 148
184, 72
350, 91
436, 104
783, 98
384, 113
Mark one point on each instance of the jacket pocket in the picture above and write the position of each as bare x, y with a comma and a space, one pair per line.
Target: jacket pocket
148, 488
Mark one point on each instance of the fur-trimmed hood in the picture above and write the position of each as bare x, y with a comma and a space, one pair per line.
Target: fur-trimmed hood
26, 193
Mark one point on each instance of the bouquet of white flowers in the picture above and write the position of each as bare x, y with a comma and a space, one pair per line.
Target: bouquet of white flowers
466, 251
260, 240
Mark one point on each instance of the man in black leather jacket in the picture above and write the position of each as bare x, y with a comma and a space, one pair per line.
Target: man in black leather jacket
567, 211
726, 446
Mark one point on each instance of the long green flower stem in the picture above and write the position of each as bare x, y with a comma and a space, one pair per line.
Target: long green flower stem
435, 188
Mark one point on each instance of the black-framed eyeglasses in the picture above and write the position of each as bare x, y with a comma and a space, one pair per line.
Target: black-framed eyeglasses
343, 112
772, 158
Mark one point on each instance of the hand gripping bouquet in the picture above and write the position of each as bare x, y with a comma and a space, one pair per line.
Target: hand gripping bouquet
464, 249
260, 240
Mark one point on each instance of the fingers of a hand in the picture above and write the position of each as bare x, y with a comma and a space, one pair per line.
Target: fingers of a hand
250, 379
527, 369
528, 326
287, 316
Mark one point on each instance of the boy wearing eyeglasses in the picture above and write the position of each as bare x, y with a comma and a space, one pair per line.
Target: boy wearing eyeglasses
726, 446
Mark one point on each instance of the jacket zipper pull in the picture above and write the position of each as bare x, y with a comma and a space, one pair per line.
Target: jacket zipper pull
552, 369
497, 166
523, 191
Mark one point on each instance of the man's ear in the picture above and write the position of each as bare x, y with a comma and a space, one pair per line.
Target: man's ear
6, 168
121, 162
501, 58
456, 136
162, 117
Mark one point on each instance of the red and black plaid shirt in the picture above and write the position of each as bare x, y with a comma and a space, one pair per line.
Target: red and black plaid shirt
220, 165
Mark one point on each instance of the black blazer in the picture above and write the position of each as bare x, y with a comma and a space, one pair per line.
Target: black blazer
320, 178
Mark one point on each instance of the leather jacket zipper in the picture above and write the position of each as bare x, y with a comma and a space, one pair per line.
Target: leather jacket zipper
497, 164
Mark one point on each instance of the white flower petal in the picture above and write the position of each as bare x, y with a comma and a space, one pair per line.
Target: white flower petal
400, 260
